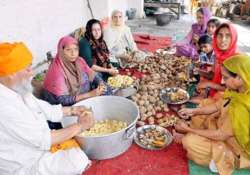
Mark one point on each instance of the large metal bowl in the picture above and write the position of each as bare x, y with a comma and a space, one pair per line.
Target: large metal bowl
111, 145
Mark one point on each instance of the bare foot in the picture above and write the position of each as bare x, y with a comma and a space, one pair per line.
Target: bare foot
177, 137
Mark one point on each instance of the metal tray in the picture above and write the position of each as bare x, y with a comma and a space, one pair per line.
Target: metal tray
168, 136
164, 95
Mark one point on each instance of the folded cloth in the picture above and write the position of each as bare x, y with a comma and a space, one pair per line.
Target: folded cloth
68, 144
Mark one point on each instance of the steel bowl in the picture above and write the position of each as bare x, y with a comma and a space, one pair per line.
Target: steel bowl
165, 96
127, 91
141, 130
114, 144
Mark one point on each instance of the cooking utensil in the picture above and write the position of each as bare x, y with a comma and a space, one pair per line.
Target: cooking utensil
165, 95
108, 107
168, 138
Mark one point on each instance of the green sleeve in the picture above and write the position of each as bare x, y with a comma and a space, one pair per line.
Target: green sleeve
85, 51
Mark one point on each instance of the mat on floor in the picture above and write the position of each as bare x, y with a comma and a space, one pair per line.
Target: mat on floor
195, 169
151, 43
138, 161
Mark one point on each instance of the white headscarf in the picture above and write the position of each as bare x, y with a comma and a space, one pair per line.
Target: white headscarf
119, 37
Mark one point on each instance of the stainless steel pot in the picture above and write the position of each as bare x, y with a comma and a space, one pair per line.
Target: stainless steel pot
108, 107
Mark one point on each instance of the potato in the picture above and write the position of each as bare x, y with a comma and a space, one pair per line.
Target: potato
141, 102
149, 107
144, 97
159, 115
161, 103
149, 114
134, 98
147, 103
153, 112
152, 99
142, 108
166, 109
151, 92
155, 96
138, 96
162, 106
144, 88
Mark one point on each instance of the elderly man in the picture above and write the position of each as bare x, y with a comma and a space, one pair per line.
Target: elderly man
25, 138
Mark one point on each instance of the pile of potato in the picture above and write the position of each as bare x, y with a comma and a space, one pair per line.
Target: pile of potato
166, 70
161, 71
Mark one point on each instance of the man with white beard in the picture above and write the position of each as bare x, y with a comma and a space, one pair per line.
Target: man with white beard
25, 138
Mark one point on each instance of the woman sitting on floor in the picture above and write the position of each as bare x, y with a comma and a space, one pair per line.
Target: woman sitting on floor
224, 46
189, 46
118, 36
69, 78
95, 51
223, 143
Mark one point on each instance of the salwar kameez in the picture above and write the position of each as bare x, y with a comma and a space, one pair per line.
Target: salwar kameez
227, 155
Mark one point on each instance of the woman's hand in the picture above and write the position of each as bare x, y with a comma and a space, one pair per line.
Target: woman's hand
113, 72
100, 90
182, 126
203, 85
187, 112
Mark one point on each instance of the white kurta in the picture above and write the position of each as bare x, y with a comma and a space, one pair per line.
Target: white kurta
25, 138
118, 39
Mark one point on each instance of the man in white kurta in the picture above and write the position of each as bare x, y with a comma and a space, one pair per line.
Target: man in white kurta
25, 138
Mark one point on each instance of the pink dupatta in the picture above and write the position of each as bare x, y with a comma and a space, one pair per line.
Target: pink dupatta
186, 47
56, 79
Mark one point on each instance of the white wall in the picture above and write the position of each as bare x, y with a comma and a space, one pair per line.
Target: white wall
138, 5
99, 8
121, 5
41, 23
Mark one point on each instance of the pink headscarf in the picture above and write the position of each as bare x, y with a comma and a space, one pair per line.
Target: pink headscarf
221, 56
64, 77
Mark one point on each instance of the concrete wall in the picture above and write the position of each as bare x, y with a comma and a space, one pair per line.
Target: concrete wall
41, 23
117, 4
100, 8
138, 5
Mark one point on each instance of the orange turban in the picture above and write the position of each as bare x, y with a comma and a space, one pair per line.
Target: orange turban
13, 58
